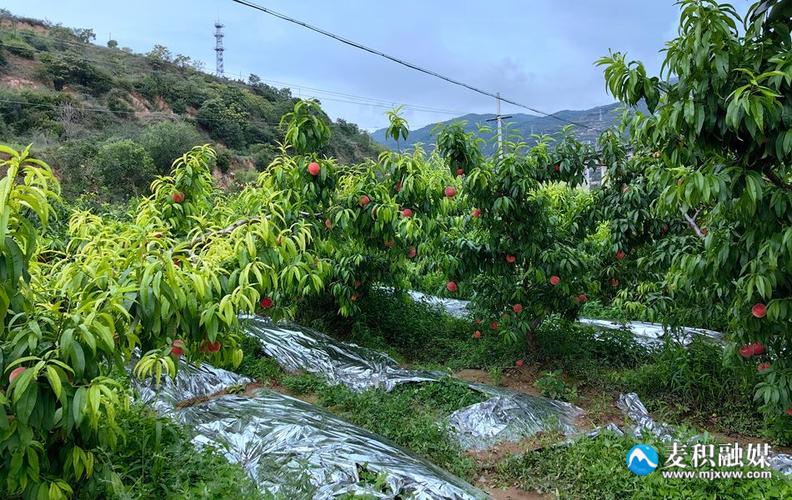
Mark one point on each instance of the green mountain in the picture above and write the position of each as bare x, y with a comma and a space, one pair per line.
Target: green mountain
108, 120
588, 124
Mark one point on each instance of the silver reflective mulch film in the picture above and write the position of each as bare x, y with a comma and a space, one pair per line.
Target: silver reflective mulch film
633, 409
296, 348
508, 416
292, 448
192, 381
275, 437
453, 307
652, 334
646, 334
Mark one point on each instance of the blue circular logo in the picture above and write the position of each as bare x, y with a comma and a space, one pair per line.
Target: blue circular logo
642, 459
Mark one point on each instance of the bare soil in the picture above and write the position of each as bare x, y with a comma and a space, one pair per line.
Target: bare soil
16, 82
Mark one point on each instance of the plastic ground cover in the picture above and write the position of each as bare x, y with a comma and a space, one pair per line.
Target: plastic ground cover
510, 417
294, 449
646, 334
275, 437
652, 334
507, 416
636, 412
192, 381
297, 348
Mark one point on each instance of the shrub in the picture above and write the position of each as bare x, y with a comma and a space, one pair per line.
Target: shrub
124, 168
19, 47
263, 154
72, 68
116, 102
72, 160
223, 160
36, 41
166, 141
224, 121
157, 460
28, 110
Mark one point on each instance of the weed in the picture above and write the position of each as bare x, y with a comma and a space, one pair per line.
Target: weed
303, 383
553, 386
594, 468
584, 351
262, 368
694, 383
157, 460
496, 375
415, 332
412, 416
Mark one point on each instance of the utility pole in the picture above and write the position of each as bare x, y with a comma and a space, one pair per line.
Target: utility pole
499, 121
219, 49
500, 128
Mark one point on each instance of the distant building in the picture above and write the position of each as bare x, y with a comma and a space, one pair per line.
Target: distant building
594, 176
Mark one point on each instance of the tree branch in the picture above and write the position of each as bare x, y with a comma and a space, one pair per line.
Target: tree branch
203, 238
692, 222
775, 179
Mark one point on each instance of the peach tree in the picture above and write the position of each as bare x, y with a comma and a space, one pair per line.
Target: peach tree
519, 247
721, 123
169, 279
368, 222
641, 242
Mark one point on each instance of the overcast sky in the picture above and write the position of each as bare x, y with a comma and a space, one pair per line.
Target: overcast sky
537, 52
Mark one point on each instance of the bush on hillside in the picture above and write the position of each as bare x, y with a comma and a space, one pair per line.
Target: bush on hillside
72, 68
19, 47
166, 141
116, 102
124, 168
262, 155
28, 110
223, 160
225, 121
72, 161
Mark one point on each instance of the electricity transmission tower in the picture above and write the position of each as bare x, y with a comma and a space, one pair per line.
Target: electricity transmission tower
219, 49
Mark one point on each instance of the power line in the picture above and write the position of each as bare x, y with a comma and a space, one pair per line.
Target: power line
401, 61
374, 100
368, 101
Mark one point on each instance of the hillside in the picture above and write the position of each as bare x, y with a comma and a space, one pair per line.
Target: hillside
520, 126
109, 120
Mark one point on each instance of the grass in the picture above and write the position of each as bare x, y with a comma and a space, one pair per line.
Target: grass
157, 460
595, 469
678, 385
415, 333
692, 384
412, 416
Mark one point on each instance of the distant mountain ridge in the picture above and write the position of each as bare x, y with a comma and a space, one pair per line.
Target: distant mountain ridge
594, 121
